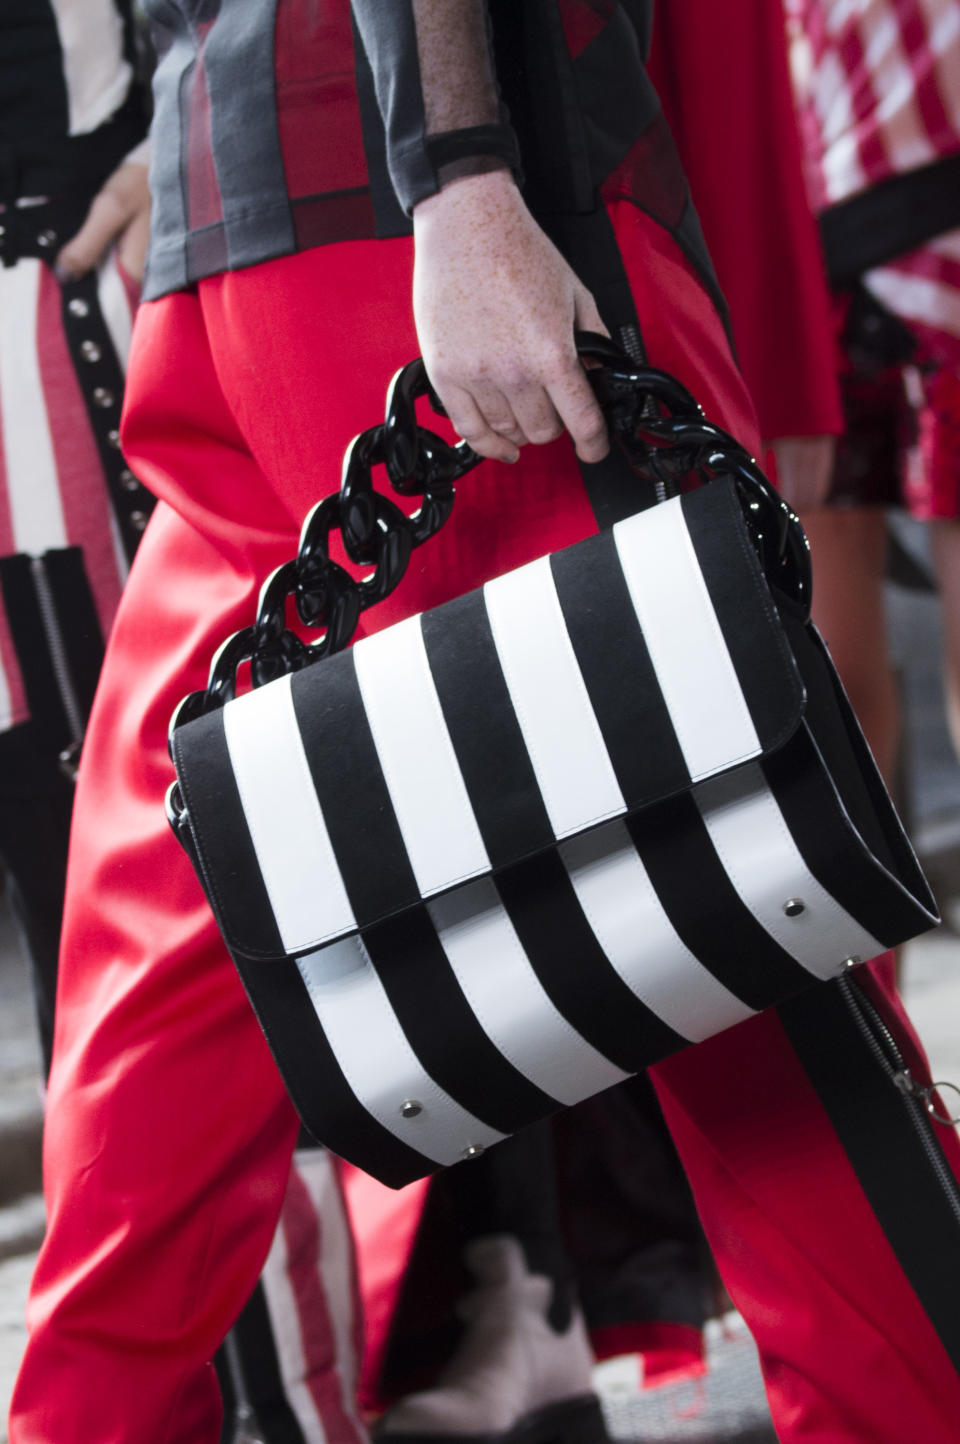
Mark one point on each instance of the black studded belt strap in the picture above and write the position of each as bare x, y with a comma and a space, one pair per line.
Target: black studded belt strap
38, 230
101, 379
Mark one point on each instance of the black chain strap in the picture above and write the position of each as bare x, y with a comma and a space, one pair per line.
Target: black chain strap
375, 532
656, 421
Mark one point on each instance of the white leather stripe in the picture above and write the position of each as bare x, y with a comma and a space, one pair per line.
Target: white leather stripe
767, 868
283, 815
509, 1001
696, 675
639, 939
419, 764
559, 727
33, 486
376, 1059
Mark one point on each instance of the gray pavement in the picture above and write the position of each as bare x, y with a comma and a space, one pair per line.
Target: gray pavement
727, 1407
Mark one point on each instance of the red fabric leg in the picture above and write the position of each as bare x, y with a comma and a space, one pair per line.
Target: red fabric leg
168, 1134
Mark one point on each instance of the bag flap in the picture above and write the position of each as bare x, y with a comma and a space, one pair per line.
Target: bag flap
584, 686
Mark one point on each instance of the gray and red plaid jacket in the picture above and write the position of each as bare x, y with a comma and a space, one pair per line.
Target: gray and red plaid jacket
285, 124
878, 83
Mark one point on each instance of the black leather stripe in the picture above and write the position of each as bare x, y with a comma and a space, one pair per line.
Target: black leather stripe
891, 1145
244, 914
483, 728
831, 847
766, 672
353, 794
574, 970
616, 668
675, 847
833, 734
442, 1028
327, 1105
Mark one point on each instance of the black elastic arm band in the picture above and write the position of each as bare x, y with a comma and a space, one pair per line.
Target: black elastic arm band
463, 152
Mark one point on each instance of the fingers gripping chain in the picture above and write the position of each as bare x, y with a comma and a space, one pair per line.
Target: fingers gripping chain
657, 423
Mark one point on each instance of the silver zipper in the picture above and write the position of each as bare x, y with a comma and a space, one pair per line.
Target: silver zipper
916, 1097
58, 651
632, 343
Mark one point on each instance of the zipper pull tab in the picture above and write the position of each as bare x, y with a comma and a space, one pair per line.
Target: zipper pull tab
929, 1103
909, 1086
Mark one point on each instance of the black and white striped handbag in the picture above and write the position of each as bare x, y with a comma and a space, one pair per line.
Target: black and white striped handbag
502, 855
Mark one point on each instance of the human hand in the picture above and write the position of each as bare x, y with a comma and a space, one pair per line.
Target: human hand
119, 215
496, 306
804, 469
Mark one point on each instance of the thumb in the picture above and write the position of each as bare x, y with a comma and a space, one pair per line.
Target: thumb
105, 220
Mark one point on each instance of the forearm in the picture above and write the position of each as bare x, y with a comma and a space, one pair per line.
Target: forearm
437, 92
456, 67
495, 304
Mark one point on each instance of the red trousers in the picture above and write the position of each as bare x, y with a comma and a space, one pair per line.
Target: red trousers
169, 1134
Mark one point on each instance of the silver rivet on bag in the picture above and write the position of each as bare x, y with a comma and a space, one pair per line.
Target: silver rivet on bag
852, 961
78, 307
47, 239
474, 1151
410, 1108
103, 397
90, 351
794, 906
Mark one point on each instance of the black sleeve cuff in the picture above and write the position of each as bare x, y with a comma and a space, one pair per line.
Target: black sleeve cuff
473, 151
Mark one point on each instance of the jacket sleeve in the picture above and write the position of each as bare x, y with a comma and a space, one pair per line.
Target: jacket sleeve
437, 92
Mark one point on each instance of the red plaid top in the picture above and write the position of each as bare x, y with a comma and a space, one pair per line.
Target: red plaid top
878, 88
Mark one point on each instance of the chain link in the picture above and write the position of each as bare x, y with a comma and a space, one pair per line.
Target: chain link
375, 533
655, 420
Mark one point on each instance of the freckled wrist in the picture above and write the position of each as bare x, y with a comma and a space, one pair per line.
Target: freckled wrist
470, 196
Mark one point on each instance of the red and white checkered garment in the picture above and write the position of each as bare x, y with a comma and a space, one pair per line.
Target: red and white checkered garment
878, 89
923, 287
